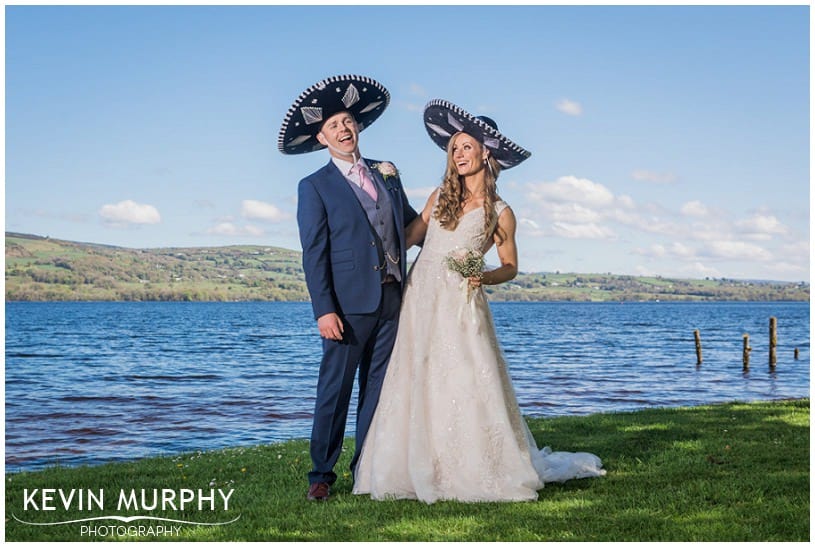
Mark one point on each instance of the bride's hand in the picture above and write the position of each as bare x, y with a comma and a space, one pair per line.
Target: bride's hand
476, 281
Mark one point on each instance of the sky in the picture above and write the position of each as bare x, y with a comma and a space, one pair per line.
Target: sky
665, 140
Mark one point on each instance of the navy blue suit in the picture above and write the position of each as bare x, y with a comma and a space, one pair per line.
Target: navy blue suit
342, 263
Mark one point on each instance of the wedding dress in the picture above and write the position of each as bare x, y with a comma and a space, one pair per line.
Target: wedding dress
448, 425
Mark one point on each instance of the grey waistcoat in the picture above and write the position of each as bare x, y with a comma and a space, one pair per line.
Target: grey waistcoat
380, 215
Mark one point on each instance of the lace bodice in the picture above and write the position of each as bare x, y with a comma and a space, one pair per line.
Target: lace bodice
469, 234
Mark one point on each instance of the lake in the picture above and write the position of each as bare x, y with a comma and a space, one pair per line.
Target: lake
94, 382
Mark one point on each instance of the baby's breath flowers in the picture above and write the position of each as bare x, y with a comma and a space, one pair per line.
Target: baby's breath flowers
468, 263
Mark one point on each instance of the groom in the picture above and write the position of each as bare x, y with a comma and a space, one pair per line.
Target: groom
351, 215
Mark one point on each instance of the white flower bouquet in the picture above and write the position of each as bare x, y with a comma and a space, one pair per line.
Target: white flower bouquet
468, 263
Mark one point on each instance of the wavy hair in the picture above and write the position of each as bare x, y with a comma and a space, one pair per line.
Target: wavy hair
453, 193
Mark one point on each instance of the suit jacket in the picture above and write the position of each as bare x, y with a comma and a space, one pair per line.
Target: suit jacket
340, 255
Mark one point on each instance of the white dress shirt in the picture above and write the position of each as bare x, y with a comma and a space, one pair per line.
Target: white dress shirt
348, 171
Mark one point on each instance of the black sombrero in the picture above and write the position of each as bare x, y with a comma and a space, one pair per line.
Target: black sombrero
443, 119
363, 97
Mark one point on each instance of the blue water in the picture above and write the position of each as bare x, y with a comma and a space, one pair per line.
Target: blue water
95, 382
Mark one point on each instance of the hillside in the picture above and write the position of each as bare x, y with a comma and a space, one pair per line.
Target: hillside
49, 269
44, 269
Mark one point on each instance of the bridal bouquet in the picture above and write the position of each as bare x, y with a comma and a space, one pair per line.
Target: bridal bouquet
468, 263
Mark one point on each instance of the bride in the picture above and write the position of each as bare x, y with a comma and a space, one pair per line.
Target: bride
448, 425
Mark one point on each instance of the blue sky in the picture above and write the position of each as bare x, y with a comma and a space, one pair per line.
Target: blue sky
666, 140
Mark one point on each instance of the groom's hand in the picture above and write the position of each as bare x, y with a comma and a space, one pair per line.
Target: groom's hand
330, 326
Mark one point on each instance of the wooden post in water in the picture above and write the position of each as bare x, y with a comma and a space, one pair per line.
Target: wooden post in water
745, 353
796, 354
773, 341
698, 338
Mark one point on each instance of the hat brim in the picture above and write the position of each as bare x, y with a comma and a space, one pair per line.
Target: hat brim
363, 97
443, 119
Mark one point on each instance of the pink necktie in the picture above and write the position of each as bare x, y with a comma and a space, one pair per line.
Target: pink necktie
365, 181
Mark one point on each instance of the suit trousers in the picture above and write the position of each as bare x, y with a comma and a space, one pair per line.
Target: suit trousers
366, 345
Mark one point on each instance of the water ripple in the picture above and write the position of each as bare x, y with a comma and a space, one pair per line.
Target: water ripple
96, 382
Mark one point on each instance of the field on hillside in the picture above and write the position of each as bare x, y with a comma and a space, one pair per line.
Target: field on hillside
45, 269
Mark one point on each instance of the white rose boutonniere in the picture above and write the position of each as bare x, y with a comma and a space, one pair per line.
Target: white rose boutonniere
386, 169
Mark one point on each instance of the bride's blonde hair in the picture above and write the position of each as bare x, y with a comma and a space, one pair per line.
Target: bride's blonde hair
453, 193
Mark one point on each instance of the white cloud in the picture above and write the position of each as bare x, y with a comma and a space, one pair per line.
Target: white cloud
578, 208
129, 212
799, 249
652, 176
761, 226
574, 213
570, 188
649, 224
420, 193
644, 271
416, 89
230, 229
411, 107
529, 227
626, 202
657, 250
692, 237
582, 231
697, 269
737, 250
694, 209
787, 268
709, 231
259, 210
681, 250
569, 107
673, 250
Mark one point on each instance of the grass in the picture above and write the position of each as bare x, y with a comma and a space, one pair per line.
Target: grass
732, 472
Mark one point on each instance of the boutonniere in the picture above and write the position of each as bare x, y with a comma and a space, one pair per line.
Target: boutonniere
386, 169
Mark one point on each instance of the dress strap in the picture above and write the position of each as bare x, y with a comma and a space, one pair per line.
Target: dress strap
436, 201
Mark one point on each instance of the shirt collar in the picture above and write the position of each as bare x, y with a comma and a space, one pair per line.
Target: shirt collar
346, 166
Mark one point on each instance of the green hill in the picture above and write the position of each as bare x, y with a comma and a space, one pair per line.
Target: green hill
45, 269
49, 269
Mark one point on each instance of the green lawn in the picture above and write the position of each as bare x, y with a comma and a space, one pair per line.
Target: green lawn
733, 472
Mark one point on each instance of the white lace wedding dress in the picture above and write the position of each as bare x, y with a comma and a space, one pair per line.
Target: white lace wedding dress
448, 424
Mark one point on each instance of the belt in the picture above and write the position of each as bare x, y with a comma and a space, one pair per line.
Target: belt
389, 279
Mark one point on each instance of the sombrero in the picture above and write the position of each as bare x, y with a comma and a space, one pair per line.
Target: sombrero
443, 119
363, 97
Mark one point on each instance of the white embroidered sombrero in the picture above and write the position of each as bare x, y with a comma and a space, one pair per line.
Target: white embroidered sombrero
443, 119
363, 97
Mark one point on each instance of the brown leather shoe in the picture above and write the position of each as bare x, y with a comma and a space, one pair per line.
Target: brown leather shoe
318, 491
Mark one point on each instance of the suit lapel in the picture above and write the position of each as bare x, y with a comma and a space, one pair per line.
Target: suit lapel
337, 181
340, 189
